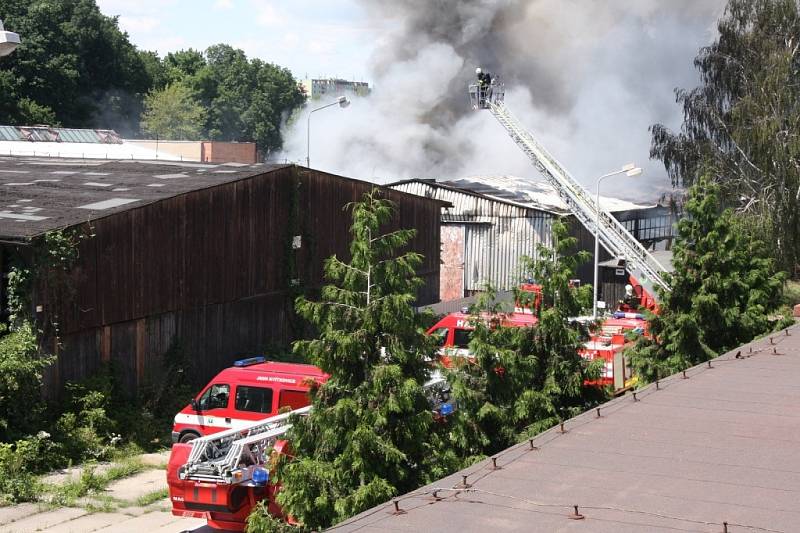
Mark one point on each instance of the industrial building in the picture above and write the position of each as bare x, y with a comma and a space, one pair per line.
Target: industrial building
712, 450
316, 88
45, 141
494, 221
210, 256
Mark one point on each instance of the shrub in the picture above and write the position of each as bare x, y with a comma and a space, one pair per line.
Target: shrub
19, 462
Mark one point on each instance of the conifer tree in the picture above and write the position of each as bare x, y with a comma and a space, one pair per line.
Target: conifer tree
722, 289
370, 434
525, 380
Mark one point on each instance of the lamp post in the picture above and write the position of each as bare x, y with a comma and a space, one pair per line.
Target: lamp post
629, 170
8, 41
342, 102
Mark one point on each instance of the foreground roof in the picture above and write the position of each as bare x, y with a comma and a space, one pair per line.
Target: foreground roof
688, 455
42, 194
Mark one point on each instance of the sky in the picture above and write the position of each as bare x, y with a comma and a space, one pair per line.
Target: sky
588, 78
318, 38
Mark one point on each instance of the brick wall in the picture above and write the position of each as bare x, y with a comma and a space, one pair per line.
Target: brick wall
229, 152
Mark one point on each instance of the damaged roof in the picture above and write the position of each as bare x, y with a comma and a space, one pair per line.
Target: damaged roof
42, 194
716, 446
523, 192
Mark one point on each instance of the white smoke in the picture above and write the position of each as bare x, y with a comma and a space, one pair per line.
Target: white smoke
588, 78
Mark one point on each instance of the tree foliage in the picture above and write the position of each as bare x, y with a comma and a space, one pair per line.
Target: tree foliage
722, 290
525, 380
741, 125
245, 99
173, 113
76, 68
371, 433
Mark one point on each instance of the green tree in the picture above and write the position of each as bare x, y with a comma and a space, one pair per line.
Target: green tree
74, 67
722, 290
741, 126
525, 380
247, 100
173, 113
371, 432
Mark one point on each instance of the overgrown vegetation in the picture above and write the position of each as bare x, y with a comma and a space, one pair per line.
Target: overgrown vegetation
723, 290
94, 420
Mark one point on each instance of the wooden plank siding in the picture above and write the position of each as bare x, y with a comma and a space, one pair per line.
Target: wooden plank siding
210, 269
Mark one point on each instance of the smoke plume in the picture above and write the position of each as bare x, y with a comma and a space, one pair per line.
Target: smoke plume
588, 78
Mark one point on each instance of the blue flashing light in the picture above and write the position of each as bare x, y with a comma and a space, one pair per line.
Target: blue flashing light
446, 409
250, 361
260, 476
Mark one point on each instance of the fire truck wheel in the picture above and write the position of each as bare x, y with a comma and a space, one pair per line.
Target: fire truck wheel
188, 436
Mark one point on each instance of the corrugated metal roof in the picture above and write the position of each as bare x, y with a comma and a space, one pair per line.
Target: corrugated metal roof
508, 190
469, 202
60, 135
719, 446
534, 193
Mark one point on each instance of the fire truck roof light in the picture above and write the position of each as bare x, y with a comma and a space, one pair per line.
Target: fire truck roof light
250, 361
260, 476
446, 409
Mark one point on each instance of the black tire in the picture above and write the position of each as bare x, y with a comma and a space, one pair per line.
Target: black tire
188, 436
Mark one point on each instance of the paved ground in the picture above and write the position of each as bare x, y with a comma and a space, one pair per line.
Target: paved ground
123, 507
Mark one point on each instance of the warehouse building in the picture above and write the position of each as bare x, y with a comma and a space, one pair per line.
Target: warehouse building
494, 221
208, 255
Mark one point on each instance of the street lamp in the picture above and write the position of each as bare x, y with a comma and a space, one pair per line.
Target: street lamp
342, 102
629, 170
8, 41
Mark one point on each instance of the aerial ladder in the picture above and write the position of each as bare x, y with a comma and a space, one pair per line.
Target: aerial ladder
221, 477
611, 233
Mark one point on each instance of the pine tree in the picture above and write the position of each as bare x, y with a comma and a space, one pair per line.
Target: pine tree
721, 290
371, 433
525, 380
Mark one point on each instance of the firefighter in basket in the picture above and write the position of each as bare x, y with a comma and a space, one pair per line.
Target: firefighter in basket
485, 83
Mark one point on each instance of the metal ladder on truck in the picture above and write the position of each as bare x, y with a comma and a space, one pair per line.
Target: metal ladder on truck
611, 233
232, 456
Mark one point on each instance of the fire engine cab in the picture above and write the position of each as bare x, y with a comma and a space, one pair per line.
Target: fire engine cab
251, 390
454, 332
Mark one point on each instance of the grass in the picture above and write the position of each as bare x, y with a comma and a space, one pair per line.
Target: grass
152, 497
91, 483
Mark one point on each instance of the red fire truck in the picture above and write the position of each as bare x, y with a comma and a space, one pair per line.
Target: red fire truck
609, 344
221, 476
251, 390
453, 332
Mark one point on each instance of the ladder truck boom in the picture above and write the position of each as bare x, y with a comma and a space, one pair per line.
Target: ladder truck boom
227, 456
221, 477
611, 233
